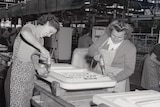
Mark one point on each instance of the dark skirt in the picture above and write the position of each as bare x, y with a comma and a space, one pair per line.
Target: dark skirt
7, 86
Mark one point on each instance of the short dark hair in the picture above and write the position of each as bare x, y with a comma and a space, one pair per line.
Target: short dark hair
52, 19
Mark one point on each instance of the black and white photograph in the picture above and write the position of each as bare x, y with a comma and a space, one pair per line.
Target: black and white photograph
79, 53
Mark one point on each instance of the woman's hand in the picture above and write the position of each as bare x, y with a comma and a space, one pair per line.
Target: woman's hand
97, 57
42, 71
111, 75
45, 53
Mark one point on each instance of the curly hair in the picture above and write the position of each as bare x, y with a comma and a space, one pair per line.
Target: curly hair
53, 21
119, 26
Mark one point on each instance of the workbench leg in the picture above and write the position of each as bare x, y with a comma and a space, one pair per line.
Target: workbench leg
56, 89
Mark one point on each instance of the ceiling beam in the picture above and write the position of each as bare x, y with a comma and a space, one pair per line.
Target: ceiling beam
7, 3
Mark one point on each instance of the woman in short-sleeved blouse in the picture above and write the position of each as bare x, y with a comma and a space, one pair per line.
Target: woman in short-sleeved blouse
151, 70
28, 42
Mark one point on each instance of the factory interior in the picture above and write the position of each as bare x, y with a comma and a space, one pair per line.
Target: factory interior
77, 18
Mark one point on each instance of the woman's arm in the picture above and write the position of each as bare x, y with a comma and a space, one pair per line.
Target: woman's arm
6, 34
35, 60
154, 58
31, 39
42, 71
129, 64
93, 50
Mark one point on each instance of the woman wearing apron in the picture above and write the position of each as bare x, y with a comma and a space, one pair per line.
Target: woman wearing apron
151, 70
19, 82
116, 51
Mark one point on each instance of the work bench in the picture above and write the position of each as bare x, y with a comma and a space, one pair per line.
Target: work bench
52, 95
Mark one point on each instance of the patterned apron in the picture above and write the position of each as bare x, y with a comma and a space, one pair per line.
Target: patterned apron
108, 56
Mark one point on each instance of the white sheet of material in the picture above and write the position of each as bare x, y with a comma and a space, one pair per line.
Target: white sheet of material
74, 78
147, 98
